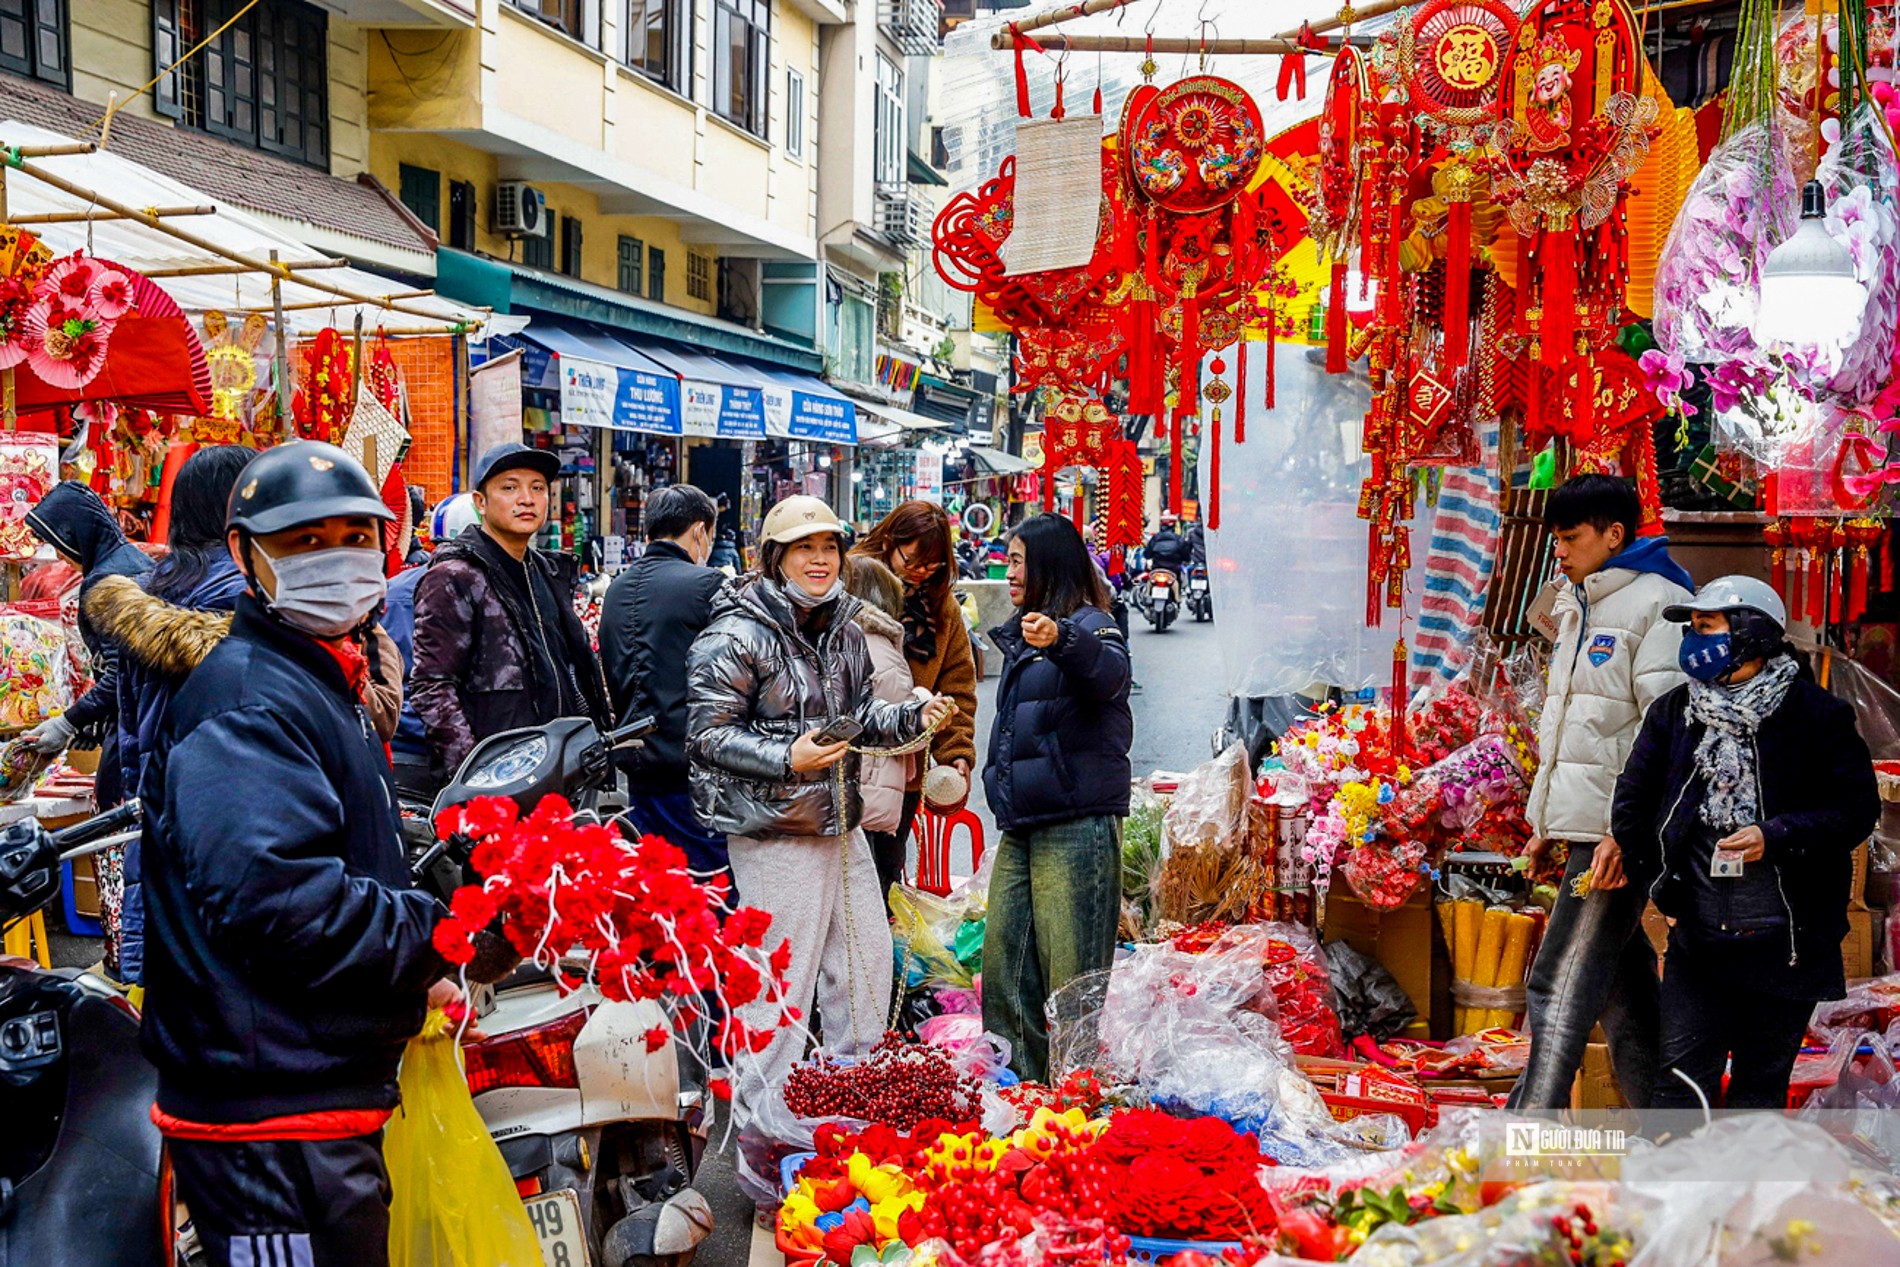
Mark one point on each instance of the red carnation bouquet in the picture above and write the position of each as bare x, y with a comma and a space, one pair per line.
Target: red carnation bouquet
646, 928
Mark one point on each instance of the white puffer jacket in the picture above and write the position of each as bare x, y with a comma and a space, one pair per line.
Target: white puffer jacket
883, 779
1609, 663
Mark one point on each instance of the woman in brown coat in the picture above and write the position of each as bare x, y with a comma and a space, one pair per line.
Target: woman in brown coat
914, 542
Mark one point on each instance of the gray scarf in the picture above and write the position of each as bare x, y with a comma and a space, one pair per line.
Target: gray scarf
1725, 756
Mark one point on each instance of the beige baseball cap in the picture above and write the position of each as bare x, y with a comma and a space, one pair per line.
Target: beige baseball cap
799, 517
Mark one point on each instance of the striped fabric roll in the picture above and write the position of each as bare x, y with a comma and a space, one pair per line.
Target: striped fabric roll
1458, 566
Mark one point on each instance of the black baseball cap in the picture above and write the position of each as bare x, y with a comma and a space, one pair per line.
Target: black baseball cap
515, 457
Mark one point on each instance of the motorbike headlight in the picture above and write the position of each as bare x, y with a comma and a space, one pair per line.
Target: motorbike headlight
512, 764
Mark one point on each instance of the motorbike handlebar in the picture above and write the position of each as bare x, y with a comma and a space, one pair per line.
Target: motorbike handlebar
636, 729
99, 826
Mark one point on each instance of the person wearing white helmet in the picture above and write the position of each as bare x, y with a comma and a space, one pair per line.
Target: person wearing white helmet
1744, 797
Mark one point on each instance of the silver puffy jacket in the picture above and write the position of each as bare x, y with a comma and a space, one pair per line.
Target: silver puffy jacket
754, 683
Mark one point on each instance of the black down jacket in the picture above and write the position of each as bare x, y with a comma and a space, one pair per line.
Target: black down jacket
756, 681
287, 957
1059, 748
1819, 799
652, 613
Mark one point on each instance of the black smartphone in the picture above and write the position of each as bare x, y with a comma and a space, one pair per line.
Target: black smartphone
840, 729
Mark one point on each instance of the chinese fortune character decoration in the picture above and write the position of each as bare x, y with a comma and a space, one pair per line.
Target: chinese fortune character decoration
1080, 431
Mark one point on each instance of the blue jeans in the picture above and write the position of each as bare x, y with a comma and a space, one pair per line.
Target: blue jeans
669, 815
1595, 963
1054, 907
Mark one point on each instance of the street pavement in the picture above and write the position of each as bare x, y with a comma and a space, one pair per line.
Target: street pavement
1180, 705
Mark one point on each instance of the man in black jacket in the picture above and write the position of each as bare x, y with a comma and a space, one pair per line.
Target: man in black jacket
652, 613
288, 958
1167, 550
81, 530
497, 644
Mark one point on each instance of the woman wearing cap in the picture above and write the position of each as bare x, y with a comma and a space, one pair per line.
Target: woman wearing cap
782, 663
1740, 806
914, 542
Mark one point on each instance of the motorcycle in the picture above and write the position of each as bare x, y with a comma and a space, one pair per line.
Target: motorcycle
81, 1178
1157, 598
602, 1135
1200, 597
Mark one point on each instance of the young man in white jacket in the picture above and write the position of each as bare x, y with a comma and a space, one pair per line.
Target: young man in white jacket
1614, 655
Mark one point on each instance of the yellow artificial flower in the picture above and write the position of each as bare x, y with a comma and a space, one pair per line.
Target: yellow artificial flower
886, 1213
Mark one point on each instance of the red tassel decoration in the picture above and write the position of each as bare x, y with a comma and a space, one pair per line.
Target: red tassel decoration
1457, 286
1098, 98
1240, 393
1558, 269
1272, 341
1398, 699
1059, 112
1212, 491
1336, 320
1857, 584
1886, 565
1190, 391
1817, 587
1534, 407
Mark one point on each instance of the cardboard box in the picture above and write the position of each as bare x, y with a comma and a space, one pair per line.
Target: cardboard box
1406, 941
1595, 1087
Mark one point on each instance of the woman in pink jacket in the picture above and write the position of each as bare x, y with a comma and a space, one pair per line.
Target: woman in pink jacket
882, 779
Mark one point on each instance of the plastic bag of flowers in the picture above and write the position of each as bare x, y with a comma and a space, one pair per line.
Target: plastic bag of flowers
1760, 1188
1593, 1224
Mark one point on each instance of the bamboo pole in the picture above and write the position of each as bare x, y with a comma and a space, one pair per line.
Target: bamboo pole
1005, 38
14, 156
205, 244
71, 217
282, 355
1160, 46
381, 301
227, 270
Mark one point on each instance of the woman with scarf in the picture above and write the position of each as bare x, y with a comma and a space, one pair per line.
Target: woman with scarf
780, 690
914, 542
1740, 807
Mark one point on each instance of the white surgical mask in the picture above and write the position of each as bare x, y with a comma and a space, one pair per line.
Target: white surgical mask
800, 598
327, 593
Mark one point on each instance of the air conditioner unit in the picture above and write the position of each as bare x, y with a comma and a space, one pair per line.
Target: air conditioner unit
521, 210
900, 216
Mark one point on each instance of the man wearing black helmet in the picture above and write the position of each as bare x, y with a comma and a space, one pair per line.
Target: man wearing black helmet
288, 959
497, 643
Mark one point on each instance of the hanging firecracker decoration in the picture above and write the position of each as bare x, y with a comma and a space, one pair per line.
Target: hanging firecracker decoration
327, 392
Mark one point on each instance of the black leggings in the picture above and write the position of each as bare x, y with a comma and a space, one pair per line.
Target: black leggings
1714, 1016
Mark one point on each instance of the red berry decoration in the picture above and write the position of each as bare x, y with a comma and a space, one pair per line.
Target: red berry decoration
898, 1084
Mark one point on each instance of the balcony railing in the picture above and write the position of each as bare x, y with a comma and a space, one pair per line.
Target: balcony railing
900, 216
914, 25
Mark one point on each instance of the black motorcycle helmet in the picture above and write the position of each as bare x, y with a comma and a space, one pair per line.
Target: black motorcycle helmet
300, 483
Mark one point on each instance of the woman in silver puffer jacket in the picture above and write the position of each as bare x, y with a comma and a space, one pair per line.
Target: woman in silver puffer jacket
780, 661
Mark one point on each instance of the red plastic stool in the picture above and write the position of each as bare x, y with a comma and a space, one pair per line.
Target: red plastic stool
933, 831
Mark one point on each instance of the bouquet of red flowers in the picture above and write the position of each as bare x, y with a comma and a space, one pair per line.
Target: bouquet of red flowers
648, 929
1196, 1179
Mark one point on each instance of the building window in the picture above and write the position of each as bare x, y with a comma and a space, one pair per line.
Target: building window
421, 192
538, 251
889, 134
794, 114
857, 339
660, 42
699, 276
571, 246
742, 54
632, 262
562, 15
263, 81
656, 275
34, 38
462, 215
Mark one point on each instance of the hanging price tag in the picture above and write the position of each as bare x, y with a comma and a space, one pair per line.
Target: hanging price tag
1543, 612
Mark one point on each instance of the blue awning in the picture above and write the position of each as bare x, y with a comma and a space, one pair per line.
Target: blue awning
627, 383
602, 381
739, 400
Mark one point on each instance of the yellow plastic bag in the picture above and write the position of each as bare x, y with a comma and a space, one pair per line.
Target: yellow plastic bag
452, 1201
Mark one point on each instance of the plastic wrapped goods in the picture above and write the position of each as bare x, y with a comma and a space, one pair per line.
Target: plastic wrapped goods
35, 678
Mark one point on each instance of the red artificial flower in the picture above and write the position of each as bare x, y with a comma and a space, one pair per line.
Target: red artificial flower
657, 1037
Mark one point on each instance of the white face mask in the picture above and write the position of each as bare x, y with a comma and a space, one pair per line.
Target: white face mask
801, 598
327, 593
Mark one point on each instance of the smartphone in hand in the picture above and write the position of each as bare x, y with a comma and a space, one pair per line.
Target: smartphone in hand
840, 729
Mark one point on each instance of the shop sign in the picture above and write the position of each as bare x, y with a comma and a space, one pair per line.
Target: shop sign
594, 394
734, 413
1032, 448
927, 484
806, 416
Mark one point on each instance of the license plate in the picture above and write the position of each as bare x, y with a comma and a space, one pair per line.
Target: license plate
556, 1219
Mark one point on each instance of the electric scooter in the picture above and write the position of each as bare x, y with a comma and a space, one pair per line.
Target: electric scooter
80, 1175
601, 1135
